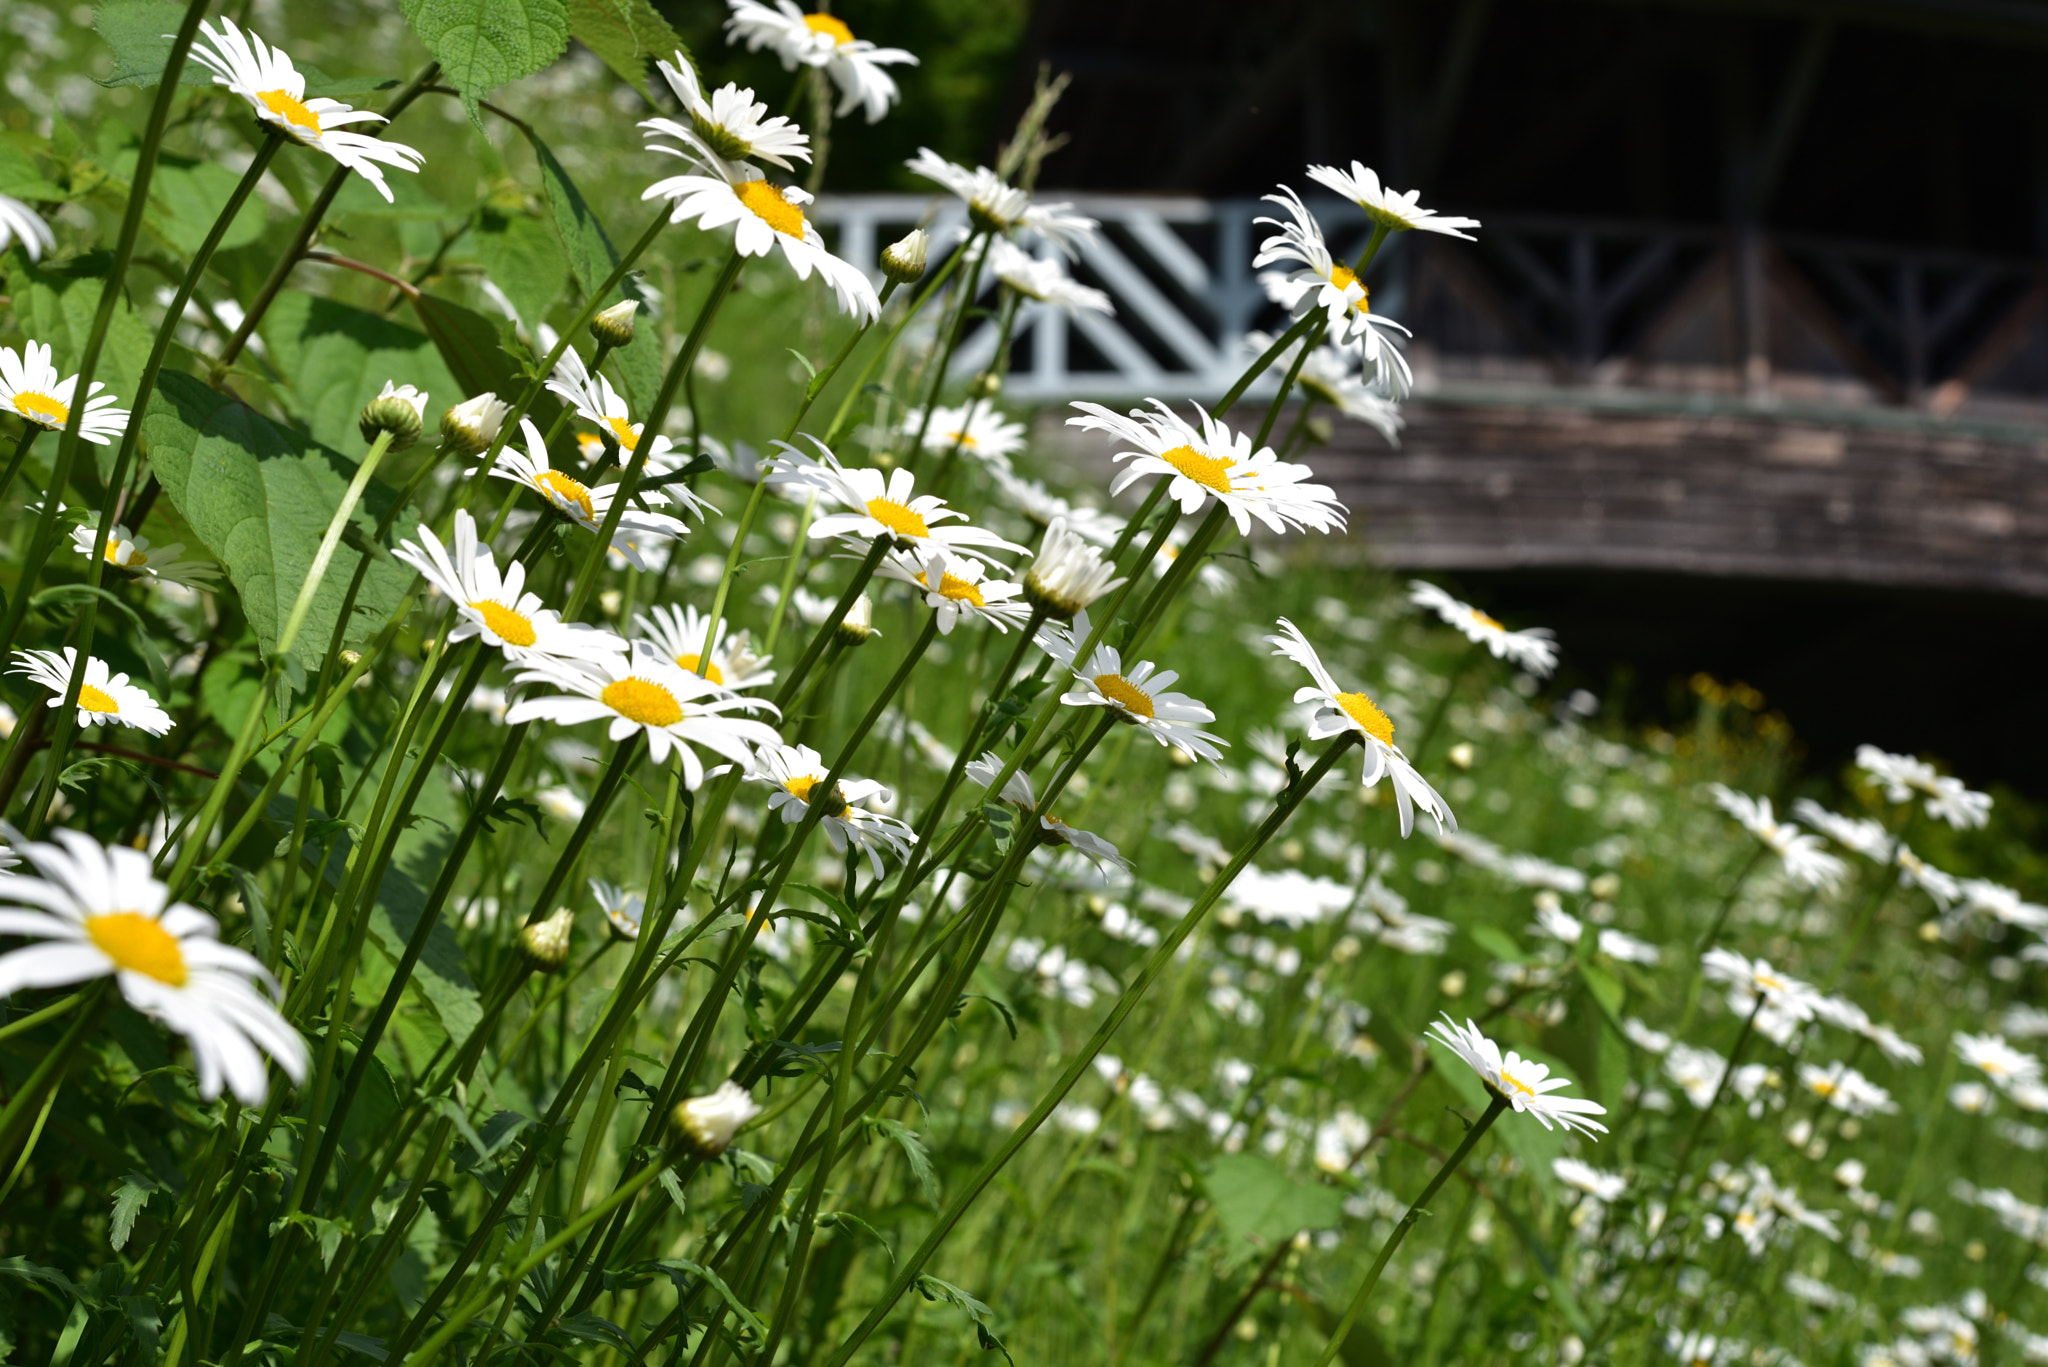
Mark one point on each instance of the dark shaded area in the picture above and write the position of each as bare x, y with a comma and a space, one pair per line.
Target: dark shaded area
1953, 676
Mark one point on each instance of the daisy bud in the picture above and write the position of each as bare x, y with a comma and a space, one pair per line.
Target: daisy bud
1068, 574
904, 260
614, 327
351, 658
859, 622
546, 943
469, 428
400, 410
986, 385
710, 1122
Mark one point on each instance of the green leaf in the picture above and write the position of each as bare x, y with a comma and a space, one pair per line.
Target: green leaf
524, 260
187, 195
1606, 992
472, 348
129, 1199
1497, 942
260, 497
482, 44
592, 258
54, 303
18, 174
1257, 1205
625, 35
717, 1283
145, 1321
139, 32
338, 358
920, 1158
933, 1289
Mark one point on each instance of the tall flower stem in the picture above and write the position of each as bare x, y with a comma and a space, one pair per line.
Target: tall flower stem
27, 1103
844, 413
1494, 1107
947, 343
1083, 1061
29, 432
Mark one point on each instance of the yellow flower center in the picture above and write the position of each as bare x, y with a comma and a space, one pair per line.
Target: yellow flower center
960, 438
589, 445
139, 944
623, 433
1199, 466
512, 627
1125, 694
41, 408
290, 109
768, 205
898, 518
959, 590
92, 699
1769, 983
135, 561
809, 787
830, 25
1486, 621
689, 662
1369, 718
1511, 1080
1825, 1086
1343, 277
1990, 1065
643, 701
568, 491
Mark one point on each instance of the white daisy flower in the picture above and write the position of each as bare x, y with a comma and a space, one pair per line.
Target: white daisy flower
823, 41
1214, 462
1604, 1187
275, 90
1750, 980
1339, 712
642, 691
1847, 1090
977, 427
1533, 649
955, 588
495, 605
582, 505
2004, 904
32, 390
1044, 280
1901, 776
732, 125
1019, 793
678, 633
20, 223
797, 775
623, 911
1045, 507
763, 216
598, 404
1325, 283
1866, 837
1915, 872
1997, 1060
994, 206
101, 911
1068, 573
1558, 924
1806, 862
882, 503
1388, 208
1328, 375
1523, 1083
1137, 696
104, 697
126, 550
711, 1122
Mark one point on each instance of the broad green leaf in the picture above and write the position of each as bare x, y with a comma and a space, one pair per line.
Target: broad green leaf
482, 44
473, 349
260, 497
591, 258
18, 174
139, 33
524, 260
338, 358
626, 35
1257, 1205
55, 303
129, 1199
187, 196
1496, 942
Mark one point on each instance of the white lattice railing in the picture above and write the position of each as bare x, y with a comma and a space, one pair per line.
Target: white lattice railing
1178, 269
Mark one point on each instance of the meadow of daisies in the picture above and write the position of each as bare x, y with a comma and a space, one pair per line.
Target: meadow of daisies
577, 790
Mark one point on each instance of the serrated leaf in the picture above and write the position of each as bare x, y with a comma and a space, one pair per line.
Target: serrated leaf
592, 258
626, 35
524, 259
934, 1289
677, 1268
339, 357
473, 349
186, 196
145, 1321
914, 1151
482, 44
139, 32
129, 1199
260, 497
1257, 1205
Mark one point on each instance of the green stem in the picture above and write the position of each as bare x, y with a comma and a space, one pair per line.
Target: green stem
950, 342
860, 381
324, 556
29, 432
1494, 1107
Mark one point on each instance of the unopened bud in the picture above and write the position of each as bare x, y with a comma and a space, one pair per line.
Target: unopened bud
351, 658
546, 943
708, 1123
614, 327
904, 260
859, 622
400, 410
469, 428
986, 385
